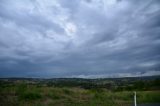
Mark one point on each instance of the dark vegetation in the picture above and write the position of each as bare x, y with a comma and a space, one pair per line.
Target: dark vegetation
78, 92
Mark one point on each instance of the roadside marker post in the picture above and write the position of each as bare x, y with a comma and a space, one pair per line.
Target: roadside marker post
135, 101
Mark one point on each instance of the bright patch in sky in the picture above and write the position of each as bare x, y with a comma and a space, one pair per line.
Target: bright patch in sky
70, 29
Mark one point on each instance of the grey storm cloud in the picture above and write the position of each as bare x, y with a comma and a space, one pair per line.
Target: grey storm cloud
79, 38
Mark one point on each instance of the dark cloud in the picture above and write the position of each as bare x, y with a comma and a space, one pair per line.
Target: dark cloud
80, 38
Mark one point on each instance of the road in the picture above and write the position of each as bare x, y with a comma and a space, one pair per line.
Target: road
155, 104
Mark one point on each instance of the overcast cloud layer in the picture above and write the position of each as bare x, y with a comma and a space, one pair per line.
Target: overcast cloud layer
79, 38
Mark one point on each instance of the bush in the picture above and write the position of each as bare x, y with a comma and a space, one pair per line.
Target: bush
30, 96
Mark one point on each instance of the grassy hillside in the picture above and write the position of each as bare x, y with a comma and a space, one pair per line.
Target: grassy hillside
33, 92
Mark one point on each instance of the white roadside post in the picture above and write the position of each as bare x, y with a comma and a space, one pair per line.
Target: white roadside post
135, 101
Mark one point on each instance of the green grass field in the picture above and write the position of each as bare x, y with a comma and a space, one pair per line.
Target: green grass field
32, 95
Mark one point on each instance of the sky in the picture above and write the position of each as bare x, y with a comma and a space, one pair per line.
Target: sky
79, 38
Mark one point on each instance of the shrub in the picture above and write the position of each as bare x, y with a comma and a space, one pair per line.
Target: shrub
30, 96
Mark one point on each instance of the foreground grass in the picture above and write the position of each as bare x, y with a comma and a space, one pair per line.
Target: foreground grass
32, 95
